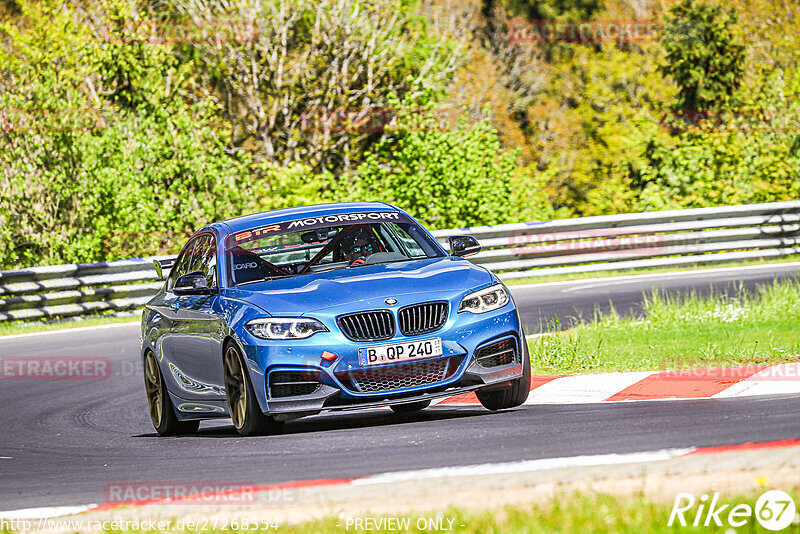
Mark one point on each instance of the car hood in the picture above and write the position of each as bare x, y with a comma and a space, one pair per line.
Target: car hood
438, 278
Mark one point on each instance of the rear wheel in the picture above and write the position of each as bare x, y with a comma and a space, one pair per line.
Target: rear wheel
242, 403
410, 407
162, 412
513, 395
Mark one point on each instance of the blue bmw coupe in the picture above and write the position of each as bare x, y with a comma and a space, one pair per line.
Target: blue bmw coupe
283, 314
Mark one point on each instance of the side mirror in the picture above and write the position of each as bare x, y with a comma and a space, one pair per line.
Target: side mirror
162, 265
192, 284
464, 245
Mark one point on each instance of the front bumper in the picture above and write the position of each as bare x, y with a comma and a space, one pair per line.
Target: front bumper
463, 336
331, 398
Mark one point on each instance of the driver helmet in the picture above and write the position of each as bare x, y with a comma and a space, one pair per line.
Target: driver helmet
359, 244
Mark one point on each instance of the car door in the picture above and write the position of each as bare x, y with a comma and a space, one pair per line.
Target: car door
194, 347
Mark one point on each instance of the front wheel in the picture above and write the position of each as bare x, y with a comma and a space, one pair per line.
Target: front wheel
246, 414
411, 407
162, 412
513, 395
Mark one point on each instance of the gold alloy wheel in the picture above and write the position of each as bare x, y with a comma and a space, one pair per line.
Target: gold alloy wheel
155, 395
235, 387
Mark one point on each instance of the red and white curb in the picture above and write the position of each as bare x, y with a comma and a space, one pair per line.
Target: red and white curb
657, 385
525, 466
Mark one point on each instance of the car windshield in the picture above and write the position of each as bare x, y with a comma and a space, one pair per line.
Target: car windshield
314, 245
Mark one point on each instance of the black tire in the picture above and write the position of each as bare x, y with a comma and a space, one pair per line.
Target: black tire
246, 414
513, 395
162, 412
411, 407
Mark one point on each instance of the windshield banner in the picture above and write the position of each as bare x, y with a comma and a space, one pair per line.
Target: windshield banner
315, 222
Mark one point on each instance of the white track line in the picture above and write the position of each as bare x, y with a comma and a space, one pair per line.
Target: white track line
521, 467
68, 330
670, 274
524, 466
45, 513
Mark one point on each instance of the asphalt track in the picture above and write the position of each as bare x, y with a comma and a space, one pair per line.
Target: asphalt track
63, 442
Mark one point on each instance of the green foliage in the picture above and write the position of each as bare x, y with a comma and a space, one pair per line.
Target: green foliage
92, 168
116, 150
729, 157
114, 144
606, 99
550, 9
134, 69
446, 177
704, 55
273, 187
593, 115
39, 176
156, 179
303, 60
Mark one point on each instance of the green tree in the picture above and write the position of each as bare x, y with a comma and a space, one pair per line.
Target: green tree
547, 9
274, 187
297, 63
606, 100
738, 143
703, 55
97, 163
448, 176
734, 157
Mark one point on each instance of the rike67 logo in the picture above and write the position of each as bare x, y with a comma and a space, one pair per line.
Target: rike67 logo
775, 510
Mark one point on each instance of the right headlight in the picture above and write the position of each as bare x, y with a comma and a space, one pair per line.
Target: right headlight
485, 300
285, 327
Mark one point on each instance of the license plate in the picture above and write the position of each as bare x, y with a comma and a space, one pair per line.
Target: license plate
400, 352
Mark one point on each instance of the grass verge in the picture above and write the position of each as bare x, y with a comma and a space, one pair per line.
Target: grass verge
575, 512
649, 270
565, 512
688, 332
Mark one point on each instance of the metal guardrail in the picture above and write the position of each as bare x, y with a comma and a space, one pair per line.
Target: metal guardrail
77, 289
637, 240
520, 250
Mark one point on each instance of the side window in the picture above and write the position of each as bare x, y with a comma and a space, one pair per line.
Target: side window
204, 258
205, 254
413, 249
181, 264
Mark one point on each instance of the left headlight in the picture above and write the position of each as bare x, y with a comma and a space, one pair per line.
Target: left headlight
285, 327
485, 300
